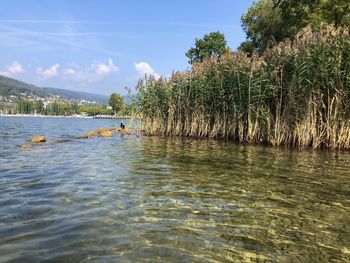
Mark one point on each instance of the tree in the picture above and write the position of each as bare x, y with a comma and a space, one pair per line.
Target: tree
116, 101
298, 14
93, 110
335, 12
271, 21
263, 25
212, 45
248, 46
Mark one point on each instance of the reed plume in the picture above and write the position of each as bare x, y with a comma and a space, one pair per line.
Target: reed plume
295, 93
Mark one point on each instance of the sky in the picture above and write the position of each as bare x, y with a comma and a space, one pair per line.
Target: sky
103, 46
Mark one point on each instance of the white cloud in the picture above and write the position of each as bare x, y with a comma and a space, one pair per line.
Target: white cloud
103, 69
4, 73
144, 68
51, 72
92, 73
76, 74
71, 73
14, 69
83, 75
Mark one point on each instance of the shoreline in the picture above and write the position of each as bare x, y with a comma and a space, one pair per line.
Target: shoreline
46, 116
68, 117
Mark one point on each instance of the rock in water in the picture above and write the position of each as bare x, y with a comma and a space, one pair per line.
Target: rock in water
39, 138
125, 131
106, 133
25, 146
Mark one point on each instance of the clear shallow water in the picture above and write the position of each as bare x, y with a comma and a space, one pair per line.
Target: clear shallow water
149, 199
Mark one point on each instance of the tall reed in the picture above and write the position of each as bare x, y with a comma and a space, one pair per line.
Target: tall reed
296, 93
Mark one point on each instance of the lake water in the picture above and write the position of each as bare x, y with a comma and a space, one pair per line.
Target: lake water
150, 199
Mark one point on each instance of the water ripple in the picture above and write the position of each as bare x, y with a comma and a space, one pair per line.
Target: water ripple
155, 199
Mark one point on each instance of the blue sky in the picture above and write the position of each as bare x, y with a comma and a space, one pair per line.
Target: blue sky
101, 46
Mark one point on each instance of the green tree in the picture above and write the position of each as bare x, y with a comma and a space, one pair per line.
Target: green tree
39, 107
337, 11
271, 21
116, 101
248, 46
93, 110
212, 45
263, 25
298, 14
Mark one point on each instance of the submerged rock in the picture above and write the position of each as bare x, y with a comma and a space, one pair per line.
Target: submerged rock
106, 133
99, 132
124, 131
103, 132
39, 138
88, 135
37, 143
25, 146
60, 141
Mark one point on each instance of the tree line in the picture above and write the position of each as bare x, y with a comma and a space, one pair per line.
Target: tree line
64, 108
59, 108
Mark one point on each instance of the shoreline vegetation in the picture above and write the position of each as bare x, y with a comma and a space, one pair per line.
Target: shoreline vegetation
295, 93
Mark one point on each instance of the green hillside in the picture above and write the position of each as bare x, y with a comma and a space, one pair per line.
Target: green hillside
9, 86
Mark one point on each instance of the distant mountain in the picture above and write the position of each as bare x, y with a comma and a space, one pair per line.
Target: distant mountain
9, 86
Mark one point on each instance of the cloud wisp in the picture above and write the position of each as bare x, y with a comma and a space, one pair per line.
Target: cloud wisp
93, 73
68, 36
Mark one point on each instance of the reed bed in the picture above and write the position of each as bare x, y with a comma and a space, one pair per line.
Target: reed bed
296, 93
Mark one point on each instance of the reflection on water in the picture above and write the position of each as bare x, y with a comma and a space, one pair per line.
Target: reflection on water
165, 199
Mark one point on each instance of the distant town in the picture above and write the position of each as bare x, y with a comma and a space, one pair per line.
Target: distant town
22, 99
54, 105
8, 103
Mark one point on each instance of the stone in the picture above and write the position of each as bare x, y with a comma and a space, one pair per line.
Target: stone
89, 134
39, 138
106, 133
25, 146
125, 131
